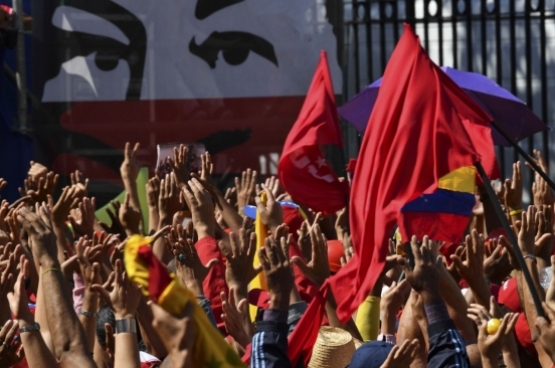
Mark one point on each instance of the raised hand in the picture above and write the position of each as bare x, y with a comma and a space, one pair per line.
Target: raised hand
38, 226
472, 268
497, 265
540, 189
61, 210
305, 243
207, 168
402, 356
234, 316
277, 268
271, 213
10, 352
86, 252
513, 189
190, 270
546, 329
177, 333
3, 184
129, 217
39, 191
527, 231
169, 201
490, 345
79, 183
179, 165
245, 188
115, 227
84, 225
347, 248
130, 167
239, 260
17, 297
318, 269
37, 171
424, 279
201, 205
124, 297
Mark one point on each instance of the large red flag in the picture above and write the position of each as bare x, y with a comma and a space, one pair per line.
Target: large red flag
415, 137
303, 171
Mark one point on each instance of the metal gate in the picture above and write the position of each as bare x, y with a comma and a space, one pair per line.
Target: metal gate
510, 41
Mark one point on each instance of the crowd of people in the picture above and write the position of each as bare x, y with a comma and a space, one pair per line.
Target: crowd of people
66, 299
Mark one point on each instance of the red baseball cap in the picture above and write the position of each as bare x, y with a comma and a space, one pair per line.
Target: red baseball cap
508, 296
335, 252
523, 335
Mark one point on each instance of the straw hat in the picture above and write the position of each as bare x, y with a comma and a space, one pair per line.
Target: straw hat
334, 348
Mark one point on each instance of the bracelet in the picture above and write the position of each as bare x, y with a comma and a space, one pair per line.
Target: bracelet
531, 256
516, 212
87, 314
50, 269
127, 325
32, 327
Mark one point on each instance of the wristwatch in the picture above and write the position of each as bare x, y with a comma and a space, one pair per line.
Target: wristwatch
127, 325
32, 327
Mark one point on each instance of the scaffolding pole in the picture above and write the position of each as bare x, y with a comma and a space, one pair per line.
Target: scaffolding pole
21, 78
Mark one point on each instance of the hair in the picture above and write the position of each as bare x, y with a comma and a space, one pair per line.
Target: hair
104, 315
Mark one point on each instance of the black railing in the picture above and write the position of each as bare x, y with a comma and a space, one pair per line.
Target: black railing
510, 41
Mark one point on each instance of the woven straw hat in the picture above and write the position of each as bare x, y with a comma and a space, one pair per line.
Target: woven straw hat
334, 348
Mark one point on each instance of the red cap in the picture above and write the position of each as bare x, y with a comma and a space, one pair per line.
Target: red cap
259, 298
335, 252
508, 296
523, 335
293, 219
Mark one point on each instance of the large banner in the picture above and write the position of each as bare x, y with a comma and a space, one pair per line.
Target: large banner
231, 74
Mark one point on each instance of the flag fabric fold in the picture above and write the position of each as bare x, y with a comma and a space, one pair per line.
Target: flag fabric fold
303, 171
143, 268
417, 135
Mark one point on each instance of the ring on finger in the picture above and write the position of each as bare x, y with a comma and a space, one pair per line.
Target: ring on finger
181, 257
6, 345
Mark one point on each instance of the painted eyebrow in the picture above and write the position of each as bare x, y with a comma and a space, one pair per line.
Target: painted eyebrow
73, 19
206, 8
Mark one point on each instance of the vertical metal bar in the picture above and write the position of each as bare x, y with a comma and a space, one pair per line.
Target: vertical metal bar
369, 43
499, 72
528, 55
512, 33
469, 49
356, 47
454, 30
440, 30
21, 77
483, 12
543, 73
396, 21
383, 56
426, 24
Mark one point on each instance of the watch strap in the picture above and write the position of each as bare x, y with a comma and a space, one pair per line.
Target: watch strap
127, 325
32, 327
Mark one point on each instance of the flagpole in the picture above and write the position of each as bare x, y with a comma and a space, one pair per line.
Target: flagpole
523, 153
512, 238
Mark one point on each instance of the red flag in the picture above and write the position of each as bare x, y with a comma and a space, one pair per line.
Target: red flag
416, 135
303, 171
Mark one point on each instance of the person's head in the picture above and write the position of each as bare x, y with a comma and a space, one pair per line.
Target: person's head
104, 316
370, 355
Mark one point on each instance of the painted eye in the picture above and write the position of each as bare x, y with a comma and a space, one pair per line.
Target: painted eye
234, 46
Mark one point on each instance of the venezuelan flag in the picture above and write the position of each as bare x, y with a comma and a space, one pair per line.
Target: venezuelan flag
143, 268
444, 214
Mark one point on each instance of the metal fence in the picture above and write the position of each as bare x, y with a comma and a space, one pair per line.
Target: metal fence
510, 41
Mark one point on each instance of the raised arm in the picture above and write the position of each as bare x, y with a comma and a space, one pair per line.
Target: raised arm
67, 333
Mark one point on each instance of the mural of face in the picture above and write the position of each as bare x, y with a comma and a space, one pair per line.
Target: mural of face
115, 50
